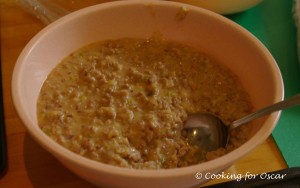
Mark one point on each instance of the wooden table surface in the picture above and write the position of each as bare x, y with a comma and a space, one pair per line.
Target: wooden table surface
29, 165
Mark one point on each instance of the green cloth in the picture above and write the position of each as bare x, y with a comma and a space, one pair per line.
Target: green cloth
272, 22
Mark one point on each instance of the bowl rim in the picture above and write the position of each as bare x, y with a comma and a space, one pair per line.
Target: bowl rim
212, 165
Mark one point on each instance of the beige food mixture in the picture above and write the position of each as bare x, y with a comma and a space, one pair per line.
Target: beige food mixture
124, 102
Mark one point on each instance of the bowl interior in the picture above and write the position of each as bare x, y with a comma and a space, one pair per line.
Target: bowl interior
220, 38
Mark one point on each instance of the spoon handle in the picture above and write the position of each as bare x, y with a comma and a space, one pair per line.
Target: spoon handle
45, 10
292, 101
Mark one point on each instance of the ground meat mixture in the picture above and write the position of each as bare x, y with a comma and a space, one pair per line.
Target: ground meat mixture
124, 102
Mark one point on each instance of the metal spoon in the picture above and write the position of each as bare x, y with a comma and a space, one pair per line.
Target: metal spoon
45, 10
209, 132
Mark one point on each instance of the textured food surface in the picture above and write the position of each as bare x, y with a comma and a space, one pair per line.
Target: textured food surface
124, 102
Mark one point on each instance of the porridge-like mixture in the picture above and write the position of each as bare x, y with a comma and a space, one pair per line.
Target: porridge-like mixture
124, 102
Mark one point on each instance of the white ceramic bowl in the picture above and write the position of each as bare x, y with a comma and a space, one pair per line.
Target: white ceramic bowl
223, 6
219, 37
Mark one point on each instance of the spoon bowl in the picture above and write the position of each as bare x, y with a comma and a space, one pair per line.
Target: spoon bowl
206, 131
209, 133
